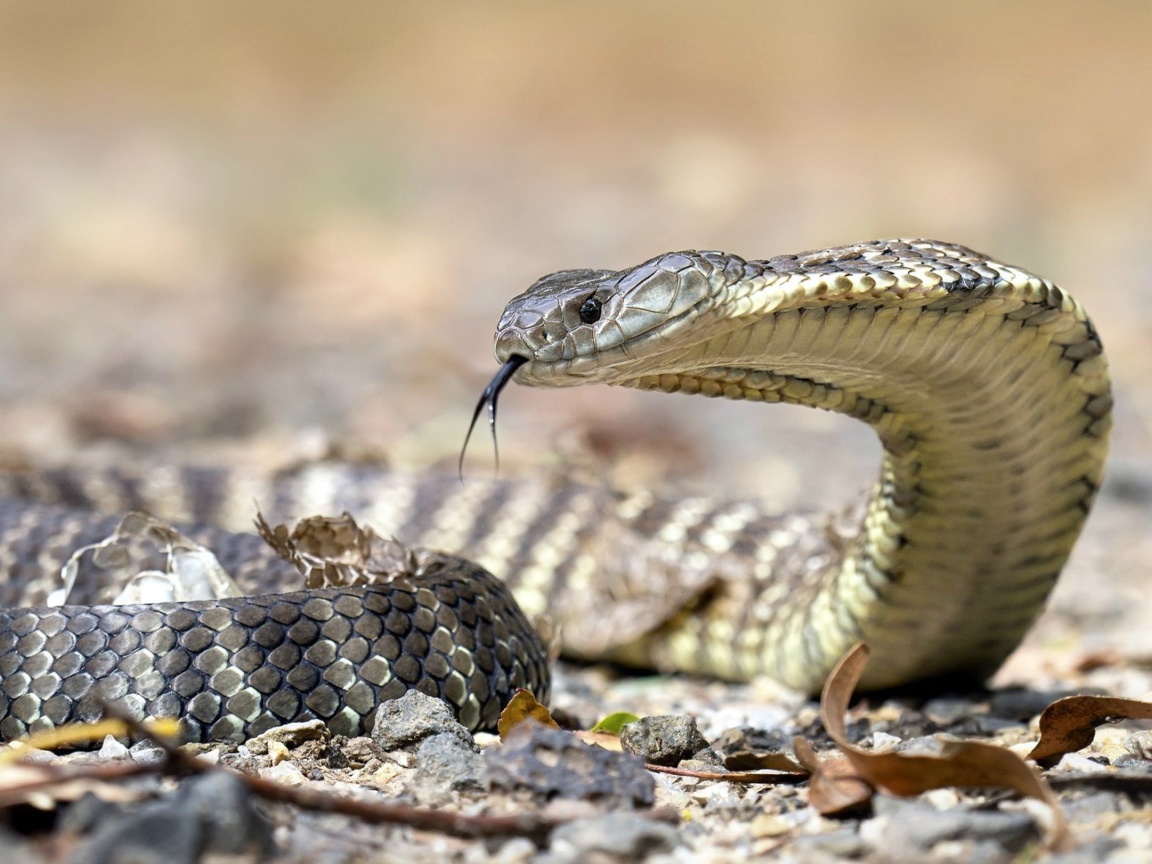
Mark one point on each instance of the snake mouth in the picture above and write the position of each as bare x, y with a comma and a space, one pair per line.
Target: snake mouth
488, 399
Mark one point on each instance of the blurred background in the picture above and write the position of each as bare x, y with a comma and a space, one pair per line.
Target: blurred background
286, 224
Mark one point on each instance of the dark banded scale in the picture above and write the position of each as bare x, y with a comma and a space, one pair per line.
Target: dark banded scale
235, 667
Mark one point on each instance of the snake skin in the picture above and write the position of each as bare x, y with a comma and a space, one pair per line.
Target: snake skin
987, 387
235, 667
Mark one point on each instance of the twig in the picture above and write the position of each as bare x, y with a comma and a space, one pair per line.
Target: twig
376, 812
781, 777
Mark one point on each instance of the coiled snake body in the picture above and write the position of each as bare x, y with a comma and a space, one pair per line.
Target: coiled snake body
988, 389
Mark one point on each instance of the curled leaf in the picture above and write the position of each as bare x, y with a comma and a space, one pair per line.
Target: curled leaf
834, 789
967, 764
1069, 724
521, 707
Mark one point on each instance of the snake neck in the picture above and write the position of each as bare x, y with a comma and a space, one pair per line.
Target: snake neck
993, 420
987, 387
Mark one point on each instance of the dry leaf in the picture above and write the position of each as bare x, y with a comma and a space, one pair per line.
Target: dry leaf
1069, 724
522, 706
607, 740
834, 789
746, 760
967, 764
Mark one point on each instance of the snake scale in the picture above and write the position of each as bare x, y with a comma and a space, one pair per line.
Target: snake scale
988, 389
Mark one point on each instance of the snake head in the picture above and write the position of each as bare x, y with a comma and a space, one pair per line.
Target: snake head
577, 324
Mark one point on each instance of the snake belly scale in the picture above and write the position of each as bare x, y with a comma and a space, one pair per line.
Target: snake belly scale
987, 387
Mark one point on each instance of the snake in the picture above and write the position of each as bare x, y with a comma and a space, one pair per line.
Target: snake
986, 385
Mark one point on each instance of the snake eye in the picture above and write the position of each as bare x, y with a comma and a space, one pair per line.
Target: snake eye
590, 310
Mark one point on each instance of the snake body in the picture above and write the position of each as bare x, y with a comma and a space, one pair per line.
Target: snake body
987, 387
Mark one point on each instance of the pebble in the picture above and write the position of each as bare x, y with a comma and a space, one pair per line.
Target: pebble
1022, 704
770, 825
625, 836
1139, 744
665, 739
286, 773
147, 752
550, 763
907, 826
402, 724
358, 751
209, 814
277, 752
445, 764
288, 736
224, 808
112, 749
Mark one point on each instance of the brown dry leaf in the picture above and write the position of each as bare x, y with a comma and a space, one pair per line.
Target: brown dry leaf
961, 763
834, 788
522, 706
607, 740
746, 760
1069, 724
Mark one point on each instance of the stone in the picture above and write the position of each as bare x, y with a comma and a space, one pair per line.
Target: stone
226, 811
445, 764
665, 739
546, 763
112, 749
912, 825
614, 836
157, 834
404, 723
290, 736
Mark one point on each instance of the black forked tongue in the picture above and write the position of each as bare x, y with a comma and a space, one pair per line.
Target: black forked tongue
488, 398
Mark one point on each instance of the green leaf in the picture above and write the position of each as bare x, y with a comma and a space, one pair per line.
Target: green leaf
613, 723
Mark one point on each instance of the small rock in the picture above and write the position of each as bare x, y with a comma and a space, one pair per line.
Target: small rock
86, 813
286, 773
146, 752
402, 724
446, 764
159, 834
358, 751
663, 740
947, 711
623, 835
386, 773
289, 735
518, 850
1093, 807
550, 763
224, 807
747, 739
912, 825
884, 741
112, 749
211, 813
277, 752
1139, 744
1021, 704
403, 758
845, 845
769, 825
